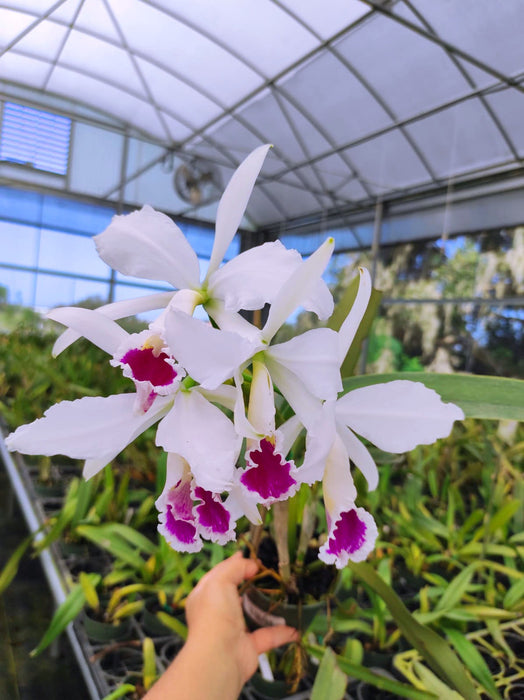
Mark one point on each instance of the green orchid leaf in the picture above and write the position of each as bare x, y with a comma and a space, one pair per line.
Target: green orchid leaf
479, 396
84, 499
121, 691
456, 588
89, 589
362, 673
149, 673
173, 623
434, 684
514, 597
61, 523
65, 614
340, 313
133, 537
128, 610
470, 655
435, 650
478, 549
11, 568
107, 539
330, 682
503, 516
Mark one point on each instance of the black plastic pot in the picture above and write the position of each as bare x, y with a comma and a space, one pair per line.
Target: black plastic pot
263, 611
263, 689
169, 650
122, 665
150, 622
104, 632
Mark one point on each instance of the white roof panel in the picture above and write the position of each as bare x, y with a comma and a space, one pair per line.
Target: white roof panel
361, 98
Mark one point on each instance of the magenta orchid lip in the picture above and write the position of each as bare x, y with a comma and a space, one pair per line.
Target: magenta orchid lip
268, 476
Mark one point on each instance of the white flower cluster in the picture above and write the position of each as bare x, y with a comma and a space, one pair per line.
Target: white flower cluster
186, 372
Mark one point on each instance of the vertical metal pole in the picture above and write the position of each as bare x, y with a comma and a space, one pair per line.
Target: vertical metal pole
375, 249
120, 205
375, 245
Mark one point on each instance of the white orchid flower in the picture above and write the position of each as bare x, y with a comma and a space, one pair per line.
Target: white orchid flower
149, 245
268, 475
305, 369
97, 429
352, 531
395, 416
188, 512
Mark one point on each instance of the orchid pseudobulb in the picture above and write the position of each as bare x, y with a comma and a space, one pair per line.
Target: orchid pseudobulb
212, 388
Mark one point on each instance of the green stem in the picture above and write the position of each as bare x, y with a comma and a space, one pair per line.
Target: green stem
280, 528
309, 520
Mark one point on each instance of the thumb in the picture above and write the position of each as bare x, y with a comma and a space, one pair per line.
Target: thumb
267, 638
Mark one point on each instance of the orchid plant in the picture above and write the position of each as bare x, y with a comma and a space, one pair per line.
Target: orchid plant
213, 388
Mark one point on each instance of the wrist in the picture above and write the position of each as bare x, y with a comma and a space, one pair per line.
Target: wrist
215, 663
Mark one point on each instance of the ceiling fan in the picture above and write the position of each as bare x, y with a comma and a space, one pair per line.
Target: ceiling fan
198, 182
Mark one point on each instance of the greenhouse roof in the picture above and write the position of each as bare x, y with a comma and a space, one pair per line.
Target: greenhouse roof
415, 104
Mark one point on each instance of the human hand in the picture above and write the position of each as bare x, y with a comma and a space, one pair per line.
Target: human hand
220, 655
216, 621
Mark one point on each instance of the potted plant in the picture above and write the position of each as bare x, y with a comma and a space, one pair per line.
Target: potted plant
255, 429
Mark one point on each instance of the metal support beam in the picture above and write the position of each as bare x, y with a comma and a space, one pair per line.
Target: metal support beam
51, 570
375, 250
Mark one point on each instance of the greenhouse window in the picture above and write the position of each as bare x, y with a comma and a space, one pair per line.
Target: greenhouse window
35, 138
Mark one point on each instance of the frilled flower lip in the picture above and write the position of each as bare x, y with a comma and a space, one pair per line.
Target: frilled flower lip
188, 513
268, 475
144, 358
352, 537
176, 521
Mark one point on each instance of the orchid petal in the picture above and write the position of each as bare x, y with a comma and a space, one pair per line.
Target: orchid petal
185, 300
338, 486
320, 301
397, 416
116, 311
204, 437
93, 466
313, 358
290, 430
352, 531
225, 395
233, 204
239, 503
254, 277
148, 244
210, 356
319, 441
97, 328
297, 288
176, 467
360, 456
261, 410
352, 321
231, 321
93, 427
242, 424
306, 406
